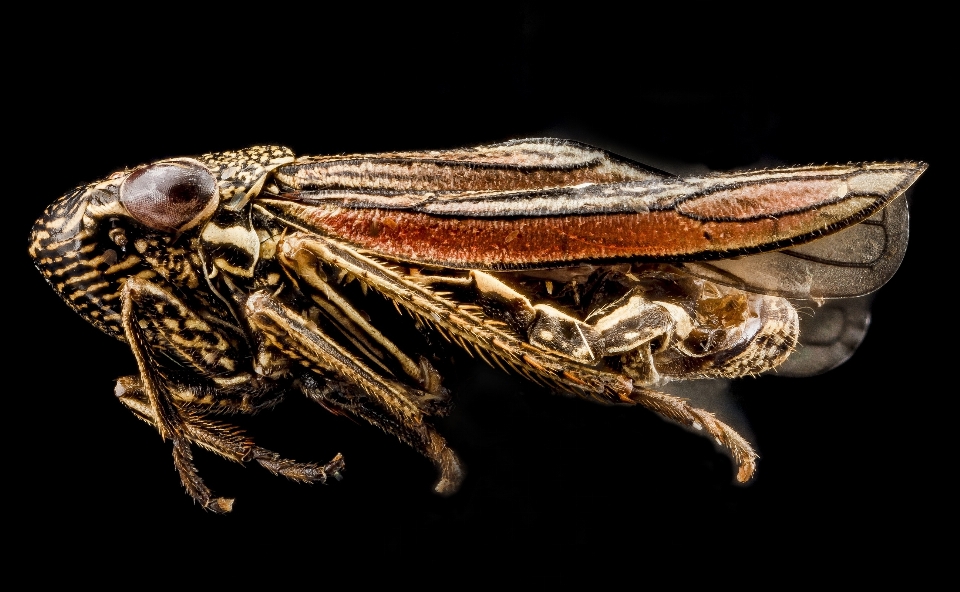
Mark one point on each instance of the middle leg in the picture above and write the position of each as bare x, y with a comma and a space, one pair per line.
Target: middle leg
385, 402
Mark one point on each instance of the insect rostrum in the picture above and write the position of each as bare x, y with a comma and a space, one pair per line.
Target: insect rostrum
227, 275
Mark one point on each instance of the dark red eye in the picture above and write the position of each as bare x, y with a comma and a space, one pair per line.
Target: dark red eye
172, 195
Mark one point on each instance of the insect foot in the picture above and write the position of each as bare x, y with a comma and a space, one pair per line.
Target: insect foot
226, 441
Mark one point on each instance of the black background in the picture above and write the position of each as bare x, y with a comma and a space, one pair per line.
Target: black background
845, 456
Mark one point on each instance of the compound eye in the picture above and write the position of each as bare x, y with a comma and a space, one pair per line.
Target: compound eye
172, 196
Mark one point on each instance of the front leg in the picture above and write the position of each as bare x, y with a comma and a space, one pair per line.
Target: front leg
227, 441
160, 328
153, 318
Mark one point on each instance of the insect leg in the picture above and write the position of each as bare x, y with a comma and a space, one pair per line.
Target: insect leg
360, 329
228, 441
464, 324
347, 399
160, 328
302, 340
144, 308
627, 327
299, 251
679, 411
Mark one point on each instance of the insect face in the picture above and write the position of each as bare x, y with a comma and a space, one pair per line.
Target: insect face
84, 245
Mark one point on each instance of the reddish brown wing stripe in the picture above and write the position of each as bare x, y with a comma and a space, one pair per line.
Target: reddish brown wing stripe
514, 243
751, 201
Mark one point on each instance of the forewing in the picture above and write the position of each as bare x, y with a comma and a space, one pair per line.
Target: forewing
545, 203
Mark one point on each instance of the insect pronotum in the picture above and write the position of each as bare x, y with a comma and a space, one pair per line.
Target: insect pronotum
230, 276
